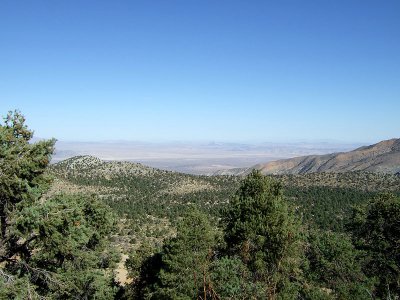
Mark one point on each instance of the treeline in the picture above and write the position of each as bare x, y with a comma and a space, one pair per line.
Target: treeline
246, 240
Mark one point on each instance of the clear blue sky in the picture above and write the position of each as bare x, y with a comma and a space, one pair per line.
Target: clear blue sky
203, 70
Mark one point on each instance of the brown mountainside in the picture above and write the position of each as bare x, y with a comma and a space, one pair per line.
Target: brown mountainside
383, 157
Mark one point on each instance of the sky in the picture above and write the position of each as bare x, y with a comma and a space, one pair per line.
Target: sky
203, 70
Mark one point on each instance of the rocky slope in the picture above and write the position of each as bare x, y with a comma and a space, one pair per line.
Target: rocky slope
383, 157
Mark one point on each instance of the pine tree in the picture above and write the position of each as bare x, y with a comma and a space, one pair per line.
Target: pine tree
184, 262
49, 248
263, 231
22, 167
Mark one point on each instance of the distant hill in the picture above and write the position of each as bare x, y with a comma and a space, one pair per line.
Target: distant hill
135, 189
383, 157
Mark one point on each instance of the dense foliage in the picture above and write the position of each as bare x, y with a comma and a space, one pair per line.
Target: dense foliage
334, 266
327, 208
22, 166
376, 231
267, 253
49, 248
263, 231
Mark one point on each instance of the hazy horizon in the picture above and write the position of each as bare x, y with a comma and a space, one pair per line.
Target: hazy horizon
196, 157
213, 141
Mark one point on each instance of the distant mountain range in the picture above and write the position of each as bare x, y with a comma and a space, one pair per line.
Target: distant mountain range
383, 157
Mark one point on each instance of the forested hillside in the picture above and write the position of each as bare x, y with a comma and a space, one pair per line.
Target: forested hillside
136, 191
65, 227
151, 202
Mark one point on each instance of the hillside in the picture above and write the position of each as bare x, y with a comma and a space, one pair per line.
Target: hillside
152, 196
149, 201
383, 157
137, 190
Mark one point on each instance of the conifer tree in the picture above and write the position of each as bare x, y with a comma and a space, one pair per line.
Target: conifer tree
22, 166
184, 271
49, 248
334, 266
376, 231
264, 232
